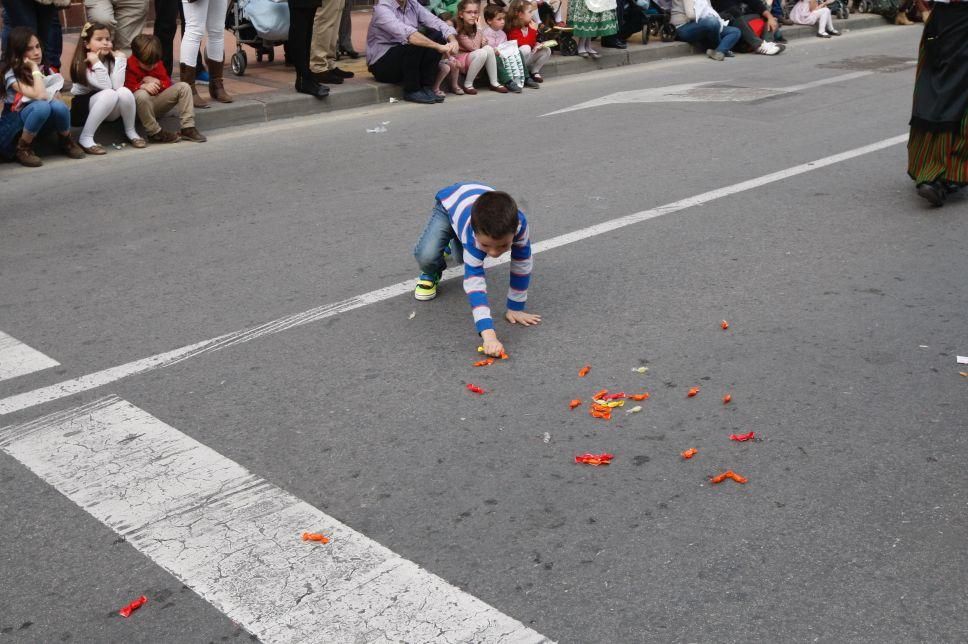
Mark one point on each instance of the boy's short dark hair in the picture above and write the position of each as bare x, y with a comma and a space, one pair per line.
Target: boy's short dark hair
495, 214
492, 11
146, 48
445, 16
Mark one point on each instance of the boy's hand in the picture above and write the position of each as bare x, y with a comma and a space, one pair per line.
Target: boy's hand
492, 346
521, 317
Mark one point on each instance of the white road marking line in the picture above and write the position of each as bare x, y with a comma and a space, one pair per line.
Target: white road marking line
92, 381
702, 93
234, 538
17, 359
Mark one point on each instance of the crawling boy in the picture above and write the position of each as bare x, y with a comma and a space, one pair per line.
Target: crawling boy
481, 222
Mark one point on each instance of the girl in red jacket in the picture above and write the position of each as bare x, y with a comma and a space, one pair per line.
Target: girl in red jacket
520, 28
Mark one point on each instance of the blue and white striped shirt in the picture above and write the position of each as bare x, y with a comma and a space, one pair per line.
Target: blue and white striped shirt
457, 200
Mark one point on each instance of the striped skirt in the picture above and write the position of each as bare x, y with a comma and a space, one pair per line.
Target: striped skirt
939, 155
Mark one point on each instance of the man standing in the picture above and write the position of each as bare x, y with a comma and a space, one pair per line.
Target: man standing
302, 14
938, 144
126, 18
322, 51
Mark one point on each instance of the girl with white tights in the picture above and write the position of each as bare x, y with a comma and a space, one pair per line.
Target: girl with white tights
812, 12
98, 89
475, 54
205, 17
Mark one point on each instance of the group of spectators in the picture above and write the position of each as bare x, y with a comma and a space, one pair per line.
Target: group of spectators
119, 73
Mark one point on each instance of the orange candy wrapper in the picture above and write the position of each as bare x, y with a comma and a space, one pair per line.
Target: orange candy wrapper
692, 392
726, 399
689, 453
639, 396
484, 363
314, 536
594, 459
574, 403
742, 438
724, 324
584, 371
728, 474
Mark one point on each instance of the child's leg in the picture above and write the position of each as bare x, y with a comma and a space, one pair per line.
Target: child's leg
145, 107
443, 71
34, 116
429, 251
60, 117
475, 63
129, 113
455, 78
99, 109
538, 60
490, 64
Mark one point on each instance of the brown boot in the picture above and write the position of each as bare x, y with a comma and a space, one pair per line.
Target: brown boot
188, 76
25, 155
70, 147
216, 86
902, 19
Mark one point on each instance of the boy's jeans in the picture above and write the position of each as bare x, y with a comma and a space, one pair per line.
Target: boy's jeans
707, 32
429, 250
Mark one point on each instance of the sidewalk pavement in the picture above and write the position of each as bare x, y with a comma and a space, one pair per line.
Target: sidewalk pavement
265, 92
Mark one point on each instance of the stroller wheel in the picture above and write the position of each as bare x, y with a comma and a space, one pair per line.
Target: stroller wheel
568, 46
239, 63
258, 56
270, 54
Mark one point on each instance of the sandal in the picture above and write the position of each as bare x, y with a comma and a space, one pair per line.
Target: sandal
458, 91
95, 149
138, 143
537, 77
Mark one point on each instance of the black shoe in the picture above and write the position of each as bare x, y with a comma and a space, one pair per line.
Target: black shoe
349, 53
934, 191
342, 72
420, 96
311, 87
329, 76
614, 42
531, 83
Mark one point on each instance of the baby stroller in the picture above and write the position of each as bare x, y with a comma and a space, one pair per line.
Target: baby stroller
260, 24
651, 18
549, 30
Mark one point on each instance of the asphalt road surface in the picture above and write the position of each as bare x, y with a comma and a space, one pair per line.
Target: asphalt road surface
844, 292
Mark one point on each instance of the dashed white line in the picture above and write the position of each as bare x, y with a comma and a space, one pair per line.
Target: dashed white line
234, 538
92, 381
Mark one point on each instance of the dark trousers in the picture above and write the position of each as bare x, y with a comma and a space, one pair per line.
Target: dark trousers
621, 6
167, 15
411, 66
42, 19
300, 37
747, 35
346, 28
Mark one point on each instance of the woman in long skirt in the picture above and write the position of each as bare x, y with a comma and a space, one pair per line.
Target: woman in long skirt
938, 144
592, 19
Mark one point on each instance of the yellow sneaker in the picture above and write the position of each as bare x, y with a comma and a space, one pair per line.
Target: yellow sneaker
426, 287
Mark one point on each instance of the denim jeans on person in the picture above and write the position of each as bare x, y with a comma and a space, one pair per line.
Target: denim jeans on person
429, 251
707, 32
27, 13
51, 115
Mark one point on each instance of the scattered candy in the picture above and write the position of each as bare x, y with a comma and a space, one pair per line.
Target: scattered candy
728, 474
644, 396
503, 355
133, 606
412, 315
724, 324
315, 536
584, 371
742, 438
393, 100
640, 369
634, 410
546, 438
574, 403
726, 399
692, 392
599, 395
594, 459
619, 396
612, 404
689, 453
474, 388
484, 363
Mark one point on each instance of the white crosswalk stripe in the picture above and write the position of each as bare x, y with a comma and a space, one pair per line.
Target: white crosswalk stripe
17, 359
234, 538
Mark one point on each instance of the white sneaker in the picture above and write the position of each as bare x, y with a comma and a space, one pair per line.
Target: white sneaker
768, 49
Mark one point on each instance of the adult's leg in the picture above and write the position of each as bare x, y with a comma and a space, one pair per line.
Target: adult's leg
131, 16
694, 33
325, 33
420, 67
429, 251
196, 14
728, 38
55, 41
100, 107
389, 67
166, 24
215, 50
100, 11
747, 35
346, 29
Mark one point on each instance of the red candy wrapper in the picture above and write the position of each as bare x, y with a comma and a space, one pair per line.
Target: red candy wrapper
619, 396
133, 606
726, 399
724, 324
742, 438
474, 388
584, 371
639, 396
594, 459
692, 392
484, 363
574, 403
689, 453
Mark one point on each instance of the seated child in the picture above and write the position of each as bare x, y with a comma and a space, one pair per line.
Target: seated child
521, 29
510, 71
475, 54
482, 223
98, 90
448, 66
155, 95
31, 103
